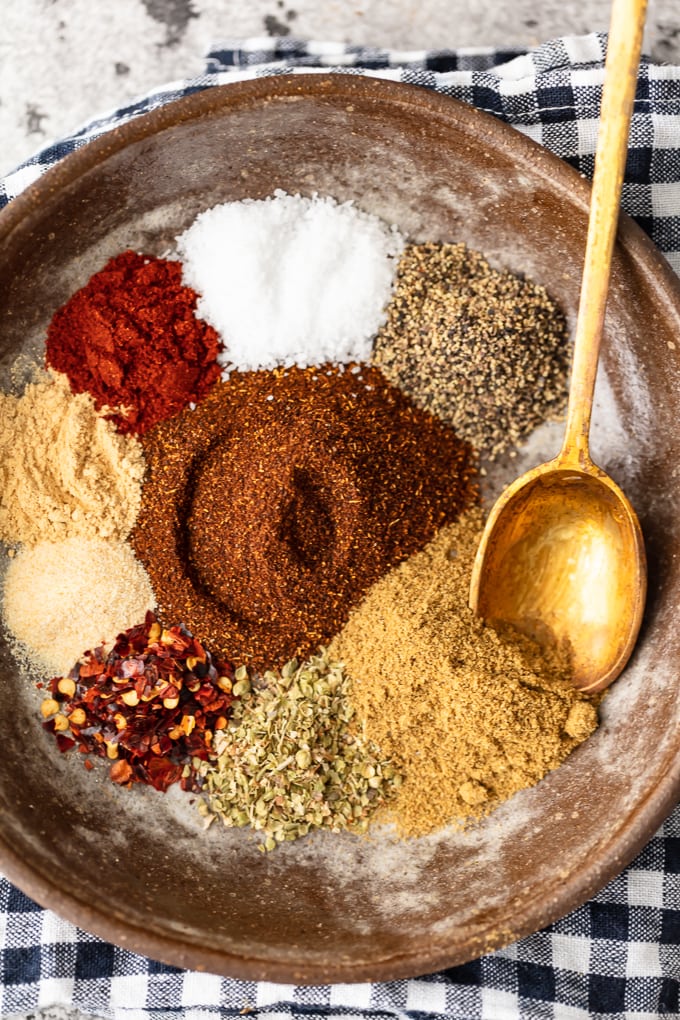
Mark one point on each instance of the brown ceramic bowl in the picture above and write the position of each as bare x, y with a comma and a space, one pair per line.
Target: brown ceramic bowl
135, 867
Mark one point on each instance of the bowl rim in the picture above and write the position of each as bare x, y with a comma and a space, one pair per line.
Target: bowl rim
565, 894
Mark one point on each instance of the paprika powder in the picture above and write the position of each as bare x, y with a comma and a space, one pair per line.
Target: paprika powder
130, 337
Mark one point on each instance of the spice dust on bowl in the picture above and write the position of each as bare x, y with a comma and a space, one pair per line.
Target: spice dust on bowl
250, 426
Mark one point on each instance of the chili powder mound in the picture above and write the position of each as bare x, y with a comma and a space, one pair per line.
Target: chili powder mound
272, 507
130, 337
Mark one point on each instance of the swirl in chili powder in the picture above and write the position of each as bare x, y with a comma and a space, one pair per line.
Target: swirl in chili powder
272, 507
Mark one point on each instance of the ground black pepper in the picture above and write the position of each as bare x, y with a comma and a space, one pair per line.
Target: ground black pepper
480, 348
272, 507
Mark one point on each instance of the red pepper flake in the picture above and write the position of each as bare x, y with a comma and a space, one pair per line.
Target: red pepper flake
150, 706
64, 743
121, 772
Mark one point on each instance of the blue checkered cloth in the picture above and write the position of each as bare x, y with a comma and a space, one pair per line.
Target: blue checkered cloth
618, 956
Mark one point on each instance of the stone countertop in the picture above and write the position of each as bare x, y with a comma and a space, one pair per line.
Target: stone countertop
62, 62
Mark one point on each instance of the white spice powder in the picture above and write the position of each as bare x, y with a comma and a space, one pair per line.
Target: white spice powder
289, 280
63, 598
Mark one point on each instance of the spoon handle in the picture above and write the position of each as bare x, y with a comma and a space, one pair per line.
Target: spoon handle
618, 94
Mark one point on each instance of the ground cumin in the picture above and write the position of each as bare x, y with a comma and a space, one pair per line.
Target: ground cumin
470, 717
270, 509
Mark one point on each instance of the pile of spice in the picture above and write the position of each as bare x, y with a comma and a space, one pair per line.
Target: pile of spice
151, 706
482, 349
64, 470
130, 337
270, 509
62, 597
289, 280
288, 762
468, 715
276, 500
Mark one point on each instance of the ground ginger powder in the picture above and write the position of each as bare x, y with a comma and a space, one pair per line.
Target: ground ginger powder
64, 470
469, 716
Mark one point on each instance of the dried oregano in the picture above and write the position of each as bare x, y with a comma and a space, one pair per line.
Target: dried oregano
290, 762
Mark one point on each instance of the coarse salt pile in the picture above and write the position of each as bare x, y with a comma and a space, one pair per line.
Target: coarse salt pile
289, 280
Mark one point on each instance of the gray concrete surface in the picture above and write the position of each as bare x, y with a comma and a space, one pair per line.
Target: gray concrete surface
64, 61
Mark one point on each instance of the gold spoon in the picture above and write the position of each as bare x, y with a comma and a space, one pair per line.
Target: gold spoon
562, 556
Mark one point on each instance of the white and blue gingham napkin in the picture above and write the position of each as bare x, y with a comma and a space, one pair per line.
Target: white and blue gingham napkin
618, 956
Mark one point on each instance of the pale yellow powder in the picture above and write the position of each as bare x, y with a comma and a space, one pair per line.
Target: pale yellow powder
63, 598
64, 470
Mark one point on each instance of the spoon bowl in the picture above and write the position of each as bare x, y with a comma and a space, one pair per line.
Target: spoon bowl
562, 557
565, 551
